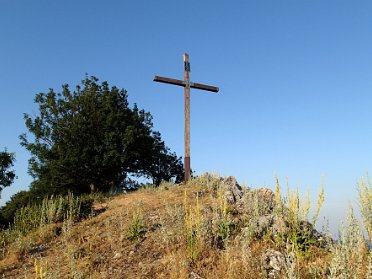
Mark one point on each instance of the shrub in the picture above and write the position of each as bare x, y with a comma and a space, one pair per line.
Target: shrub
295, 210
17, 201
349, 256
34, 217
222, 224
136, 227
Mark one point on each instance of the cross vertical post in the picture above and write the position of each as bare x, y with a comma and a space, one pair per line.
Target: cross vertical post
187, 159
187, 85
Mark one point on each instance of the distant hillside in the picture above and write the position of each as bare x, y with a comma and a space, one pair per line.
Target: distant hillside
210, 228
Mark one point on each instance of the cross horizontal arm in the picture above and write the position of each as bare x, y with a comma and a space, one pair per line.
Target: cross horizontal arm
183, 84
169, 80
204, 87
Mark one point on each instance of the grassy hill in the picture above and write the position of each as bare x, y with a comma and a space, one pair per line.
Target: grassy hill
210, 228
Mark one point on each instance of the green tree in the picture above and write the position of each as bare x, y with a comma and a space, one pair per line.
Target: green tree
6, 175
162, 164
87, 139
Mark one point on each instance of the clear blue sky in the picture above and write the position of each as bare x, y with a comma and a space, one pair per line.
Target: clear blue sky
295, 81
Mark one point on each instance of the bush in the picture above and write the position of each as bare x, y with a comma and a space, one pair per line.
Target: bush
27, 210
17, 201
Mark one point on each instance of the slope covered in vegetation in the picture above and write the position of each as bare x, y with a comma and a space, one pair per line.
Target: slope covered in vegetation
210, 228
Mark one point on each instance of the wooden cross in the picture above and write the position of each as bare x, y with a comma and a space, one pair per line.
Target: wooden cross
187, 85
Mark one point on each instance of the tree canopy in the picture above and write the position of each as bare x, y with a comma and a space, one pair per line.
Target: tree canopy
161, 164
91, 139
6, 175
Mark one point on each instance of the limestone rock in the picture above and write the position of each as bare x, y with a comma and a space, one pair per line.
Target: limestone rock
273, 263
266, 224
260, 200
273, 224
232, 190
267, 198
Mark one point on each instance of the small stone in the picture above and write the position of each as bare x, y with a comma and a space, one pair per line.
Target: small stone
194, 275
117, 255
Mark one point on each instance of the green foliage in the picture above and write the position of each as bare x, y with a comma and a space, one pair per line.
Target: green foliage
136, 227
221, 220
17, 201
223, 230
193, 245
6, 162
295, 211
35, 216
192, 229
26, 209
300, 238
51, 210
349, 254
91, 139
161, 164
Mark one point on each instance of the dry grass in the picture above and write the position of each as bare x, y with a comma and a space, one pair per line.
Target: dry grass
166, 232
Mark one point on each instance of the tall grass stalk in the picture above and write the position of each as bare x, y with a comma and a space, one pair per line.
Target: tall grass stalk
192, 228
221, 219
295, 210
365, 203
320, 202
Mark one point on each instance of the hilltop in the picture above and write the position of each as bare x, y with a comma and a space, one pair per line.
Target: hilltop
209, 228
